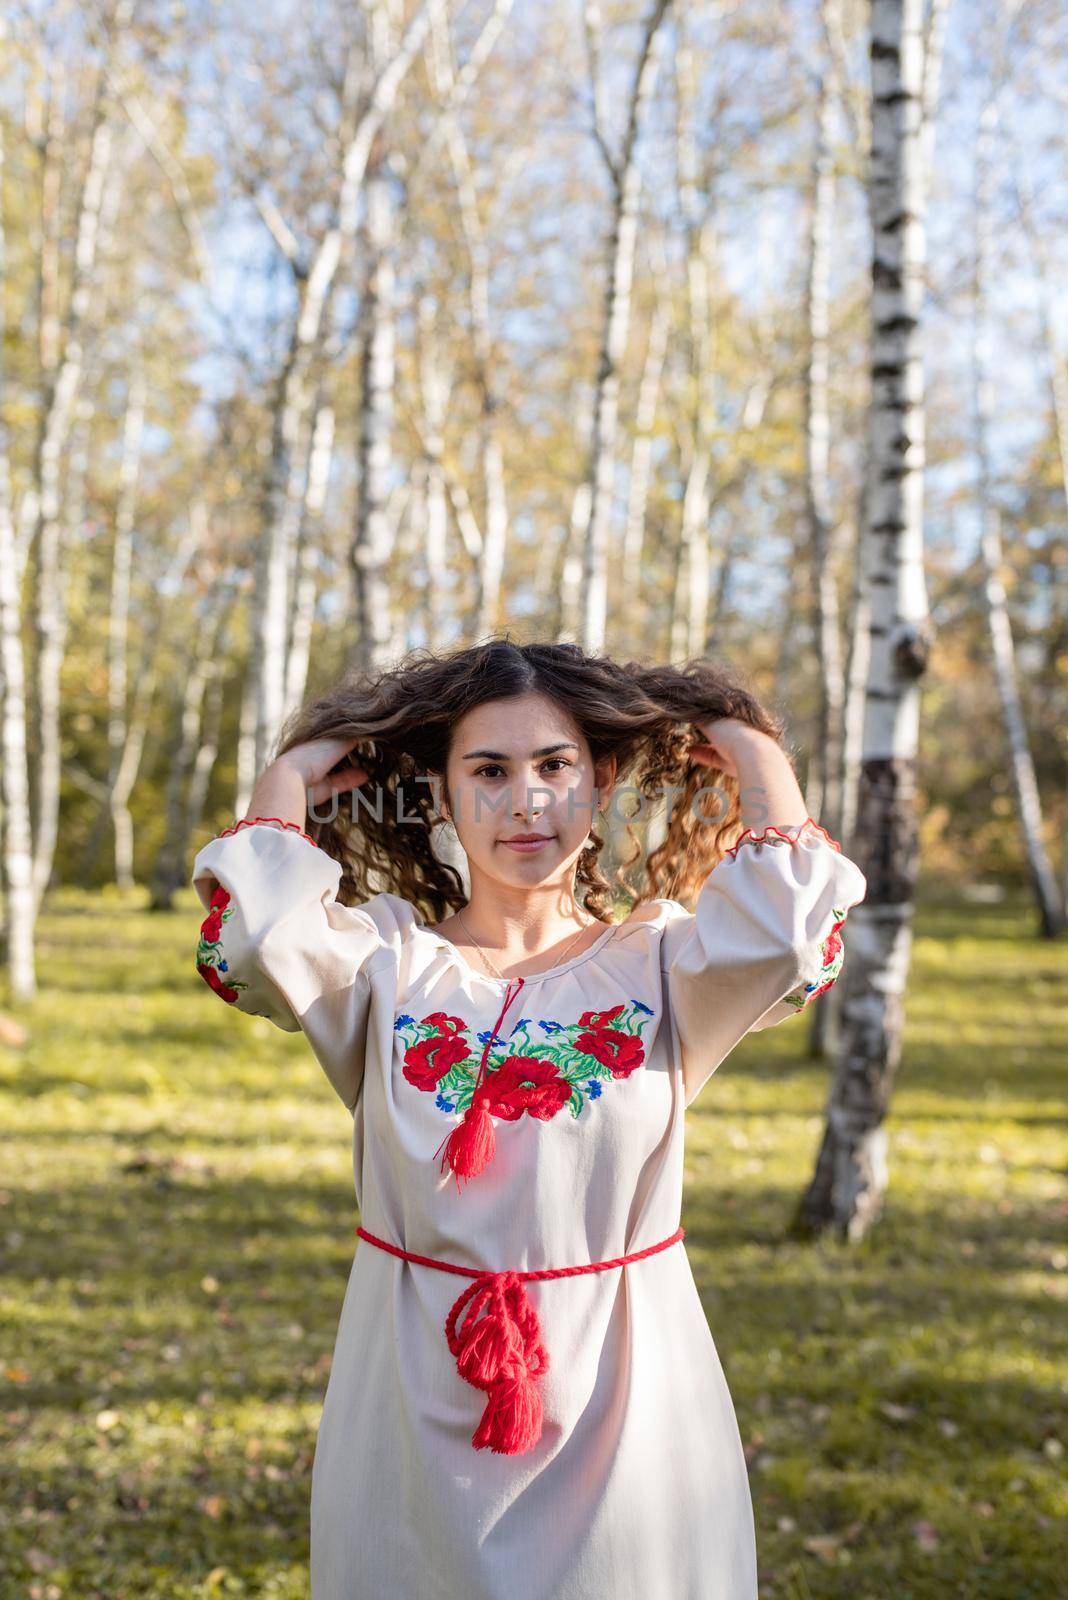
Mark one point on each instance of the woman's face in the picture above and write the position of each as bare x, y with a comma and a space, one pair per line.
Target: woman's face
521, 766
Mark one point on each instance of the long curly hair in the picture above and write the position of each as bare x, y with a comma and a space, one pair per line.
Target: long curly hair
401, 720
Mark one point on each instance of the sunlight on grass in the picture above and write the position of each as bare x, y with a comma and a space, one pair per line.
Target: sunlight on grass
177, 1225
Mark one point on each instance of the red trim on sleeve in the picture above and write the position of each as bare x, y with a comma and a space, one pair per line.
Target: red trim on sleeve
749, 837
248, 822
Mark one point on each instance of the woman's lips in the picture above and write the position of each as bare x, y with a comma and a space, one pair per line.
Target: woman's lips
525, 845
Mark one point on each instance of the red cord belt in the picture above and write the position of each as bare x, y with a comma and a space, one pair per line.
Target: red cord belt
503, 1354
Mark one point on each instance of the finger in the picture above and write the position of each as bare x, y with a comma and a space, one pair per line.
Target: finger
709, 756
337, 783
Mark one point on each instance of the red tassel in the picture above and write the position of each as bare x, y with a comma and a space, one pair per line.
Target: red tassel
503, 1355
511, 1422
470, 1146
488, 1349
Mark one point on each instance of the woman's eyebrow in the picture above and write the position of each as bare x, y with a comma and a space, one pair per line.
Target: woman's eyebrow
501, 755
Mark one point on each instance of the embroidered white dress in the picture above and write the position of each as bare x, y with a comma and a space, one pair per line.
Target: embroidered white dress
636, 1487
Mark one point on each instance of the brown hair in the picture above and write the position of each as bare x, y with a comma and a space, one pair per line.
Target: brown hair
401, 719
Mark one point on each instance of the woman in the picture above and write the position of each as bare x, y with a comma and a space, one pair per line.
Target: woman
518, 1063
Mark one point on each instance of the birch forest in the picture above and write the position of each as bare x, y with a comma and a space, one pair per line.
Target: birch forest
671, 327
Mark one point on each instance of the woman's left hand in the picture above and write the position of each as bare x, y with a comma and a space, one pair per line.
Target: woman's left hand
722, 734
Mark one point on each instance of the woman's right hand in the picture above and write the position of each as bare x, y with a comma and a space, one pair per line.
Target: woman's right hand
314, 760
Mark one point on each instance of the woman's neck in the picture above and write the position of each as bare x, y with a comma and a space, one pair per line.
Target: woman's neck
514, 932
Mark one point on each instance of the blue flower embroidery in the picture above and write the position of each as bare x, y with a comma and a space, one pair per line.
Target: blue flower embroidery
593, 1088
402, 1022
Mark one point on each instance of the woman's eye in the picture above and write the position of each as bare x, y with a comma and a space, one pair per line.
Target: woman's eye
553, 761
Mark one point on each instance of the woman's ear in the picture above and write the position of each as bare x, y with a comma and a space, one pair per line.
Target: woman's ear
438, 791
605, 778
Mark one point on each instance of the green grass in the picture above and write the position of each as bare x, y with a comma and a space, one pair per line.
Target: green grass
176, 1229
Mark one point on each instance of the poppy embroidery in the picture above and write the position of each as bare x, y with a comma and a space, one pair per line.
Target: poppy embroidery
211, 963
833, 957
566, 1064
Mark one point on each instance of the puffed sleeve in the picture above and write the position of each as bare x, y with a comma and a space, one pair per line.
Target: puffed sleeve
764, 939
276, 943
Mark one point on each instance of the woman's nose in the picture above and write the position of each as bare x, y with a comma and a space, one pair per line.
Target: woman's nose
528, 802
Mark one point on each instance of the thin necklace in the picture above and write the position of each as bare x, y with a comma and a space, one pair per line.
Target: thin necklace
497, 970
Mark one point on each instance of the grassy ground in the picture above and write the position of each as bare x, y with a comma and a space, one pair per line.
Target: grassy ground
176, 1228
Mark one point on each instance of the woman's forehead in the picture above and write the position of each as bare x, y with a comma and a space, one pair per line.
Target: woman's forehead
519, 726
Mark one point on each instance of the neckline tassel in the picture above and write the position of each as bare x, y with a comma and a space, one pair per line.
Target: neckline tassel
472, 1144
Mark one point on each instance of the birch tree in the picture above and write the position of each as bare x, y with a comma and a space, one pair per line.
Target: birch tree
63, 347
639, 478
375, 628
624, 176
119, 615
1002, 645
824, 1034
377, 632
283, 488
130, 717
17, 830
824, 787
487, 544
690, 600
1056, 367
195, 694
849, 1183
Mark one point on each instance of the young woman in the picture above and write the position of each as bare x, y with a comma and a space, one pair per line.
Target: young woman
525, 1401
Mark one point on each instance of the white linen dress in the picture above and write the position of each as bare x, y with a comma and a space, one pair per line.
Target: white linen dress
636, 1487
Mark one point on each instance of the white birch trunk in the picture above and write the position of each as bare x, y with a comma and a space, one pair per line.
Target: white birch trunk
849, 1184
625, 177
372, 544
306, 585
247, 770
49, 594
119, 613
292, 391
435, 385
571, 571
491, 545
167, 872
115, 797
1003, 650
14, 776
204, 761
641, 455
1056, 377
692, 611
637, 615
824, 790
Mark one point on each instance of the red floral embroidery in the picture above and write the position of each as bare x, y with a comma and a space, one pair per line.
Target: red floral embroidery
537, 1075
620, 1052
522, 1084
211, 963
833, 957
428, 1060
